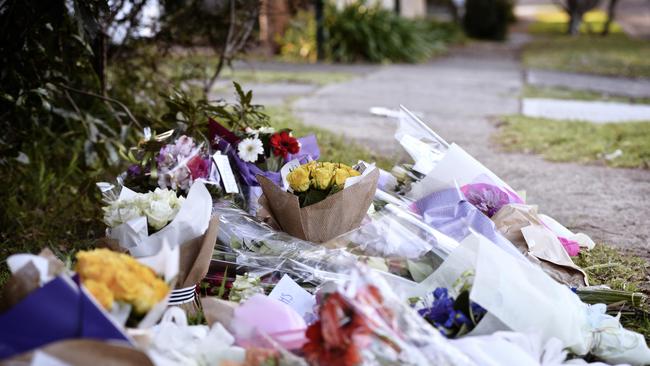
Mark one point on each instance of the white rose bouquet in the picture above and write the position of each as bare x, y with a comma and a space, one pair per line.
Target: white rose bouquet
159, 207
142, 222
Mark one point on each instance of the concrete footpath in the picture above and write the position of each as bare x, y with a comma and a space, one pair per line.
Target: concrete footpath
458, 96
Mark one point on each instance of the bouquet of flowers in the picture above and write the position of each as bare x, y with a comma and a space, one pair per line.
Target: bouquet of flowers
158, 207
363, 322
115, 277
160, 162
454, 193
453, 316
321, 200
42, 303
315, 181
508, 289
142, 222
244, 134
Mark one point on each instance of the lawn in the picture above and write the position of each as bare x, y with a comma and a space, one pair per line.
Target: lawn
333, 147
303, 77
589, 52
532, 91
582, 142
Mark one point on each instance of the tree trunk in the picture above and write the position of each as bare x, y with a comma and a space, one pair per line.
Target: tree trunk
611, 13
575, 19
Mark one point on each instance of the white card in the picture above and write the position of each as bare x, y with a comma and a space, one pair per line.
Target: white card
290, 293
286, 169
227, 176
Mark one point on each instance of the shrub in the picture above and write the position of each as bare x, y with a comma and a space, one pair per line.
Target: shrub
299, 40
360, 32
488, 19
370, 33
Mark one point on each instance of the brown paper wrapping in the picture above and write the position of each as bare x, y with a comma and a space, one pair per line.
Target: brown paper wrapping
510, 219
322, 221
27, 279
195, 257
82, 352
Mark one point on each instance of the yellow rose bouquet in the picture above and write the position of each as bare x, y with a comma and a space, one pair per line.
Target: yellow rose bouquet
313, 182
320, 200
119, 282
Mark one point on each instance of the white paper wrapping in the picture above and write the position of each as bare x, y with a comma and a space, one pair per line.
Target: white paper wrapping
191, 221
457, 167
173, 342
524, 299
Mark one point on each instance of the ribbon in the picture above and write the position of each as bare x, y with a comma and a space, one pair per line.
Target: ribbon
181, 296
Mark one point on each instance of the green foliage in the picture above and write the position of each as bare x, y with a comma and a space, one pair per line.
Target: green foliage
488, 19
360, 32
583, 142
191, 113
298, 42
556, 22
60, 134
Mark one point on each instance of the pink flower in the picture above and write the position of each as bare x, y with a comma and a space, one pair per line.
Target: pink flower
199, 168
571, 246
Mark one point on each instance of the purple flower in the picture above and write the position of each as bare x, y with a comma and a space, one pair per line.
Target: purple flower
134, 170
447, 316
488, 198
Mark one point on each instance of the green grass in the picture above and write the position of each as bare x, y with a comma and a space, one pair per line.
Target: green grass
613, 55
333, 147
531, 91
605, 265
304, 77
555, 21
582, 142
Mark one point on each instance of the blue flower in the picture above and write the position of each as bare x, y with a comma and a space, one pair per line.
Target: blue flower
443, 315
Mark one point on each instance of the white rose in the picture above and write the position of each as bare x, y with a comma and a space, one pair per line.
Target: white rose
159, 214
128, 213
111, 217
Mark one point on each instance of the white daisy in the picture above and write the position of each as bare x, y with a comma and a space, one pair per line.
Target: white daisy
248, 149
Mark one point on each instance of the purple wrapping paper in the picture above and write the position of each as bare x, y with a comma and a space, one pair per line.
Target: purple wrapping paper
449, 212
57, 311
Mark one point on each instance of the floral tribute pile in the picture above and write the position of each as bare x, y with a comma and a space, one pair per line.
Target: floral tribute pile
237, 246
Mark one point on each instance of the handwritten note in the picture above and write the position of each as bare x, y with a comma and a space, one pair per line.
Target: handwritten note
290, 293
227, 176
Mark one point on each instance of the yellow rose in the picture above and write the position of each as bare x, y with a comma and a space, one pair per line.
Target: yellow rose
112, 276
125, 286
340, 176
100, 292
330, 166
352, 172
322, 177
311, 165
298, 179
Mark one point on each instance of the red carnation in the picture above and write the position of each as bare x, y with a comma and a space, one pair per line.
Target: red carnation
283, 143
